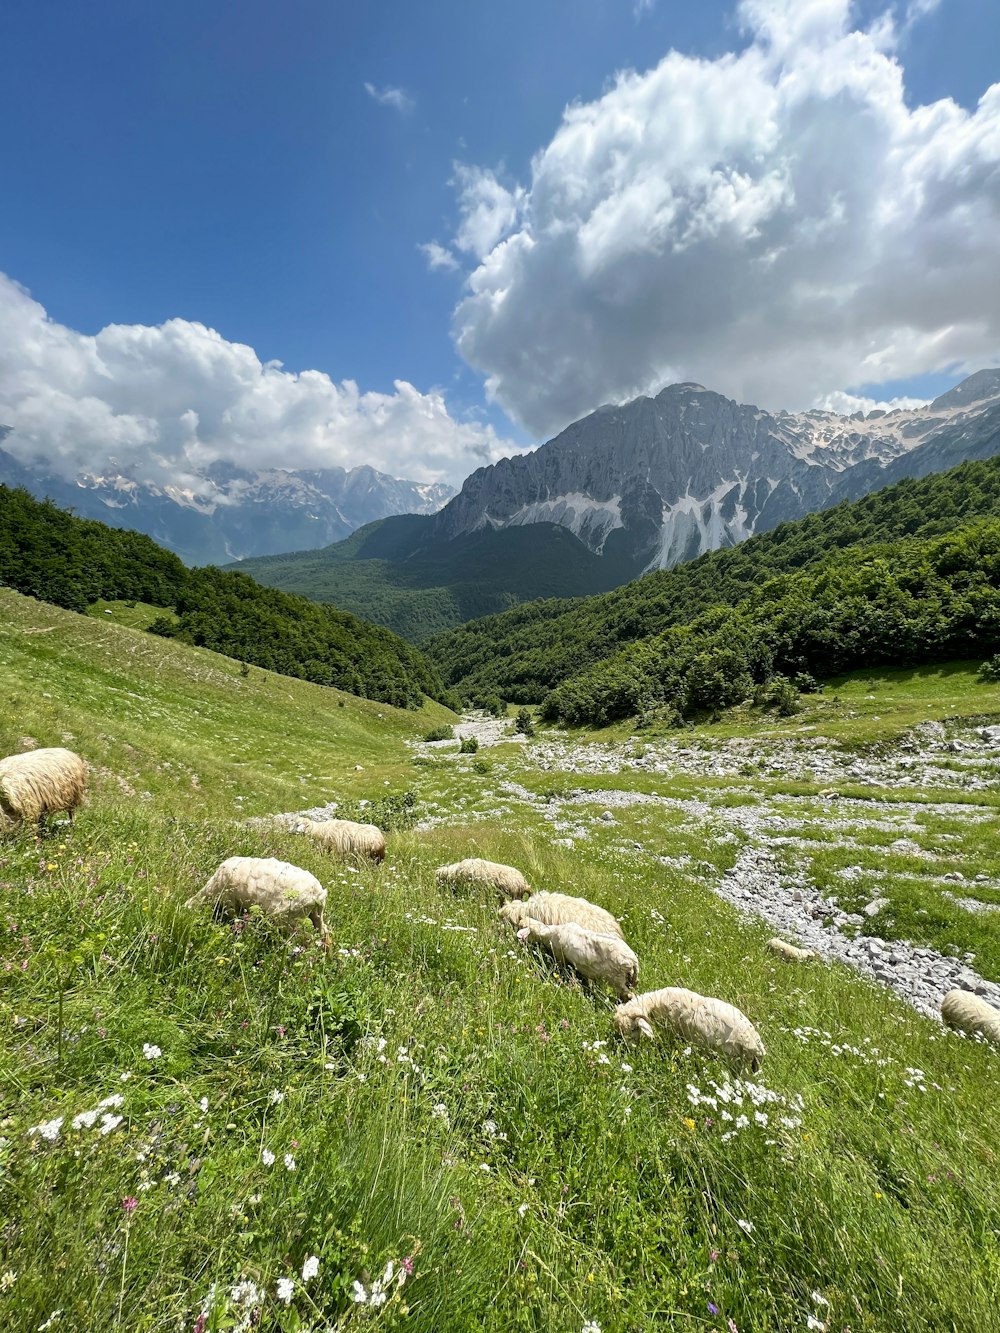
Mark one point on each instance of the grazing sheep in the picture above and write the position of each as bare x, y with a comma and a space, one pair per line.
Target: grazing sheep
284, 892
968, 1013
705, 1022
344, 838
558, 909
790, 952
40, 783
507, 881
600, 958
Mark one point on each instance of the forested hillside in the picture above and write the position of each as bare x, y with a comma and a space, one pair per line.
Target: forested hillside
900, 604
49, 554
529, 650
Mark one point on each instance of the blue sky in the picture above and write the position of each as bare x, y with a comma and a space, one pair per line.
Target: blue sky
223, 163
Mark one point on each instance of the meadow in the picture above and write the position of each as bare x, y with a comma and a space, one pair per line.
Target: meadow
204, 1126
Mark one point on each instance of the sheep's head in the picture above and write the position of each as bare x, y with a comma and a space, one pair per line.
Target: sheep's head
524, 933
512, 912
633, 1025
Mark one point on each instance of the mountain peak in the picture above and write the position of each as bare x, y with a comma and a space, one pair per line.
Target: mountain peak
976, 388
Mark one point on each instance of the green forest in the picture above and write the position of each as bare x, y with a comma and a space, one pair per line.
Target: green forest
48, 553
901, 604
529, 650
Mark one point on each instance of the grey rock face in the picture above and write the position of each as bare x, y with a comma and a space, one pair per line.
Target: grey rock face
664, 479
236, 513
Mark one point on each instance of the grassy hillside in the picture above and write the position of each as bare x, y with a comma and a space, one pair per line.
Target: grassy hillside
527, 651
196, 1114
387, 572
48, 553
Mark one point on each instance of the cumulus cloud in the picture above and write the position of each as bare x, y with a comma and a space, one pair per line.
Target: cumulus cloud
162, 403
438, 256
398, 98
778, 223
846, 403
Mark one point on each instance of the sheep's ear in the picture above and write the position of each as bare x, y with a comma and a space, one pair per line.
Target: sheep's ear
523, 933
642, 1025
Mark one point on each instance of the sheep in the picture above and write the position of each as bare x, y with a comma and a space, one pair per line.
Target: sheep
704, 1022
284, 892
40, 783
346, 839
968, 1013
557, 909
599, 958
508, 882
790, 952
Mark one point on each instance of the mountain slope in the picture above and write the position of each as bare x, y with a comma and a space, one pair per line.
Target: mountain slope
72, 562
526, 652
640, 487
395, 573
229, 512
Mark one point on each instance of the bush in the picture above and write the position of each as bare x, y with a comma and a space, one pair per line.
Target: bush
523, 723
469, 745
440, 734
482, 765
990, 670
778, 696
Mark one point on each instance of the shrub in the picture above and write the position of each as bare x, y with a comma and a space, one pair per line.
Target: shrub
469, 745
990, 670
440, 734
523, 723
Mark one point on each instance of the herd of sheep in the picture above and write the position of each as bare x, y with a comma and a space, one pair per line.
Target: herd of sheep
576, 933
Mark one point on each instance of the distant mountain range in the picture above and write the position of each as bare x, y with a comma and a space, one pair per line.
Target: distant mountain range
628, 490
234, 513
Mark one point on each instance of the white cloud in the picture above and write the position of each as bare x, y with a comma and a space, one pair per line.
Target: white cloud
438, 256
847, 403
160, 403
488, 209
398, 98
778, 223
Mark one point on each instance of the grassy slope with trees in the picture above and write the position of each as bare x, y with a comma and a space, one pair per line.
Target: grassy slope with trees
529, 650
386, 573
443, 1097
50, 554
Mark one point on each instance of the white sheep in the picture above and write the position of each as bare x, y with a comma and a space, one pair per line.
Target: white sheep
969, 1013
286, 893
40, 783
557, 909
508, 882
698, 1019
346, 839
600, 958
790, 952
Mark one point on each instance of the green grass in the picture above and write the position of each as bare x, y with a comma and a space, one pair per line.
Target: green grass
531, 1179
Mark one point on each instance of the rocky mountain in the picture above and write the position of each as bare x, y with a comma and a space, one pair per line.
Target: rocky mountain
661, 480
232, 512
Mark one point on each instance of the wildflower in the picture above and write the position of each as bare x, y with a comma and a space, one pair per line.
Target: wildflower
285, 1288
440, 1112
53, 1318
200, 1322
267, 1157
289, 1161
712, 1309
731, 1325
744, 1225
48, 1129
310, 1268
112, 1102
130, 1203
358, 1294
7, 1279
591, 1326
485, 1166
246, 1293
150, 1051
814, 1324
110, 1122
689, 1123
713, 1256
818, 1299
85, 1120
407, 1266
276, 1097
204, 1103
522, 1208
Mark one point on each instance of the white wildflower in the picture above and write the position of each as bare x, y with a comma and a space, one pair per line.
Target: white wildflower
285, 1289
111, 1103
310, 1268
267, 1157
814, 1324
85, 1120
150, 1051
276, 1097
110, 1122
246, 1293
204, 1103
744, 1225
48, 1129
591, 1326
359, 1295
818, 1299
289, 1161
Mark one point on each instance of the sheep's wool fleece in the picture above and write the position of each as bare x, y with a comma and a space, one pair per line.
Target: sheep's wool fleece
969, 1013
557, 909
790, 952
694, 1018
40, 782
508, 882
279, 889
345, 838
601, 958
